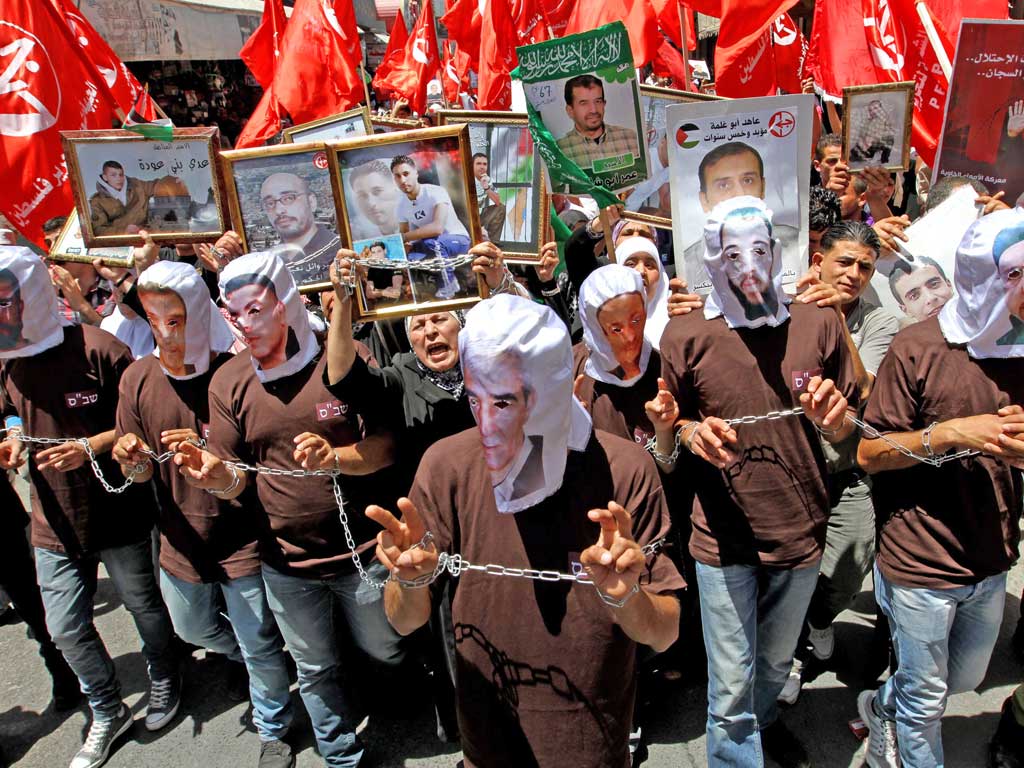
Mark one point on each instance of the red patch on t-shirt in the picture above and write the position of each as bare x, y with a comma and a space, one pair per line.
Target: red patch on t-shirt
81, 399
332, 409
204, 431
800, 379
641, 437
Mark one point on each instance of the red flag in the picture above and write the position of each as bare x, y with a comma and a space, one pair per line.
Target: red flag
744, 23
456, 74
124, 88
463, 22
789, 48
669, 62
752, 73
637, 15
676, 21
557, 13
318, 71
395, 51
262, 50
419, 64
530, 23
836, 57
48, 86
263, 123
497, 57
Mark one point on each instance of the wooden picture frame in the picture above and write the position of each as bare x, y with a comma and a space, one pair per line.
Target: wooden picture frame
889, 139
329, 128
386, 124
529, 197
374, 195
157, 203
69, 246
302, 225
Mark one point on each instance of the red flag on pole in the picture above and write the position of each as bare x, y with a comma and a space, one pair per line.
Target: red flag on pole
262, 50
741, 44
789, 48
557, 13
318, 72
455, 77
394, 53
263, 123
637, 15
48, 86
497, 57
836, 56
676, 21
124, 88
669, 62
419, 65
751, 73
463, 23
531, 25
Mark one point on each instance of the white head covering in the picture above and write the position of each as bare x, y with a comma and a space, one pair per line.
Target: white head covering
134, 331
263, 267
497, 333
601, 286
205, 328
978, 316
657, 301
744, 215
34, 303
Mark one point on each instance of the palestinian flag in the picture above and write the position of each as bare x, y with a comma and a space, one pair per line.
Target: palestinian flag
143, 120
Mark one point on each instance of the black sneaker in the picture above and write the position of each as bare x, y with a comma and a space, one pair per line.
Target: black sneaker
238, 681
1006, 750
276, 754
779, 743
164, 698
102, 735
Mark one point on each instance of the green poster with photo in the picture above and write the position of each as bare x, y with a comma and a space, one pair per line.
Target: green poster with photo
584, 108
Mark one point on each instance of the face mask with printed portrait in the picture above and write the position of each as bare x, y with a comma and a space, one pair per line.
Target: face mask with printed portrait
613, 303
28, 305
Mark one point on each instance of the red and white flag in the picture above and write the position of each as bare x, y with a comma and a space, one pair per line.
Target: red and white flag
47, 85
750, 73
262, 50
497, 57
420, 63
462, 20
394, 53
638, 16
789, 48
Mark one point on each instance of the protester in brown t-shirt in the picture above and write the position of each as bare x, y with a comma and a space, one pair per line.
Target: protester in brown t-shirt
269, 407
949, 533
761, 498
209, 563
62, 383
544, 670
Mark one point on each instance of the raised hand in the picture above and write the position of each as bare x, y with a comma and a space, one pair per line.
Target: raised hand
398, 547
548, 262
147, 254
616, 562
313, 452
823, 404
663, 411
817, 291
680, 301
890, 229
992, 203
489, 261
1015, 123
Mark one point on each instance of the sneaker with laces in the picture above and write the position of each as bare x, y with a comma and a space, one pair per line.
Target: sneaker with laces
164, 698
791, 690
882, 751
276, 754
102, 735
822, 641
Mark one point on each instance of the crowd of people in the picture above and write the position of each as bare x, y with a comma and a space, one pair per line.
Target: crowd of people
533, 497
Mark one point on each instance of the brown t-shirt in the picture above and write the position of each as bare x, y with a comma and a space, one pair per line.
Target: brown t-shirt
203, 539
70, 390
619, 410
545, 676
953, 525
770, 507
256, 423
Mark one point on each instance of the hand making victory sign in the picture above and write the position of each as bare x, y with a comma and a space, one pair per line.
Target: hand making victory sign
616, 561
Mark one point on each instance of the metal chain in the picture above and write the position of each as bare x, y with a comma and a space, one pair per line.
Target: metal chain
433, 264
84, 442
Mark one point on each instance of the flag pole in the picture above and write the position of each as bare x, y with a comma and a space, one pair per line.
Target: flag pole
366, 88
682, 10
933, 39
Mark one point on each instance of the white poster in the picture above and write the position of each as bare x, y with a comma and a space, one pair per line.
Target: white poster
724, 149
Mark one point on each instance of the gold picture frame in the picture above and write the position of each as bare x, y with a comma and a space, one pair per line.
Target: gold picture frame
530, 198
367, 183
388, 124
261, 228
321, 129
167, 197
69, 246
884, 140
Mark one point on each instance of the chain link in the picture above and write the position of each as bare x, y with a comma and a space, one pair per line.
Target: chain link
84, 442
433, 264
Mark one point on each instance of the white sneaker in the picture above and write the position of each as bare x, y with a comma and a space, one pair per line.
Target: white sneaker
823, 642
882, 751
102, 735
791, 690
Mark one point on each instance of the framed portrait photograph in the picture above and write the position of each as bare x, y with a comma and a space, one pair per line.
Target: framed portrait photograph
282, 199
651, 200
876, 125
583, 89
69, 246
347, 125
381, 124
731, 147
409, 210
508, 177
124, 183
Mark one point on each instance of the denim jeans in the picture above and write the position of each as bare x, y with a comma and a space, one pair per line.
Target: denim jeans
752, 618
247, 634
68, 587
943, 640
307, 610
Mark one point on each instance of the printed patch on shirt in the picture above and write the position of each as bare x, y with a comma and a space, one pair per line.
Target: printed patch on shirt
641, 437
332, 409
575, 566
419, 215
81, 399
801, 379
204, 431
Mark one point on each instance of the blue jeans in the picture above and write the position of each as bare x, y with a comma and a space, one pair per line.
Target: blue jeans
68, 587
752, 618
943, 640
248, 634
307, 610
